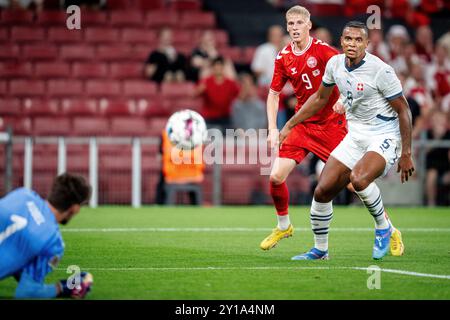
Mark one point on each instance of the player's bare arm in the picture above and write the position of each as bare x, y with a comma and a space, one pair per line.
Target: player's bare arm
405, 163
273, 100
313, 105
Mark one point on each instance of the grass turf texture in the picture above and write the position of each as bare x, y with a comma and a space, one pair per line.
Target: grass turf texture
149, 264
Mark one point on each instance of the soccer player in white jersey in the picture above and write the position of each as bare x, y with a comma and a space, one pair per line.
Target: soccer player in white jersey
379, 134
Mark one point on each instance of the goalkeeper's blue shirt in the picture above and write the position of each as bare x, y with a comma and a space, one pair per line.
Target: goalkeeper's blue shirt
30, 242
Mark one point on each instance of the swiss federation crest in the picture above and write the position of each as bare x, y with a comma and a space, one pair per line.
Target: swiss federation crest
360, 88
311, 62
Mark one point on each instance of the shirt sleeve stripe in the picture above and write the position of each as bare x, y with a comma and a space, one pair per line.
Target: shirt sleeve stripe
395, 96
328, 84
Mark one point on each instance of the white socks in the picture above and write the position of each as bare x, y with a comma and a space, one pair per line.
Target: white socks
283, 222
371, 197
321, 215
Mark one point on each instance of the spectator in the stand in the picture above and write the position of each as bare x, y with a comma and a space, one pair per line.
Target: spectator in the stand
438, 74
202, 56
424, 43
36, 5
438, 162
263, 62
248, 110
416, 88
444, 40
88, 4
218, 92
324, 35
377, 45
165, 64
397, 38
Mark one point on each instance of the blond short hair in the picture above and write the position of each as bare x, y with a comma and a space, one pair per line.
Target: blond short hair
299, 10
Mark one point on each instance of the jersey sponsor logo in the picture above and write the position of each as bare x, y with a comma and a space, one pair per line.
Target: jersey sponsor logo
316, 72
311, 62
18, 223
294, 70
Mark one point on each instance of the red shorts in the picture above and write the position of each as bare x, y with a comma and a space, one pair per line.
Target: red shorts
318, 139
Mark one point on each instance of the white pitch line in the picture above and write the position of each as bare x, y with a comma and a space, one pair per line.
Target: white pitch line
237, 229
395, 271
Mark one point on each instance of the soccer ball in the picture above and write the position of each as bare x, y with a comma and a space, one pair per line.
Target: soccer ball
186, 129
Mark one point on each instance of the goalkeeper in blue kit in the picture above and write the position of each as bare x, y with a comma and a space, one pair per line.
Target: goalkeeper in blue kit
30, 240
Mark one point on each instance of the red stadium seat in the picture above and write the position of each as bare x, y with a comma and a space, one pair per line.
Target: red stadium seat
4, 35
128, 70
64, 35
51, 126
233, 53
40, 107
141, 89
114, 53
150, 5
90, 126
48, 70
101, 35
65, 88
185, 5
90, 70
155, 126
9, 52
52, 18
177, 90
20, 125
99, 88
182, 37
140, 36
91, 18
10, 107
77, 53
141, 52
192, 20
79, 107
24, 88
249, 53
126, 18
15, 70
112, 108
16, 17
221, 37
40, 52
129, 126
161, 18
150, 108
3, 88
117, 4
27, 34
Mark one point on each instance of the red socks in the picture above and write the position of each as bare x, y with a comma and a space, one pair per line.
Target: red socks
280, 196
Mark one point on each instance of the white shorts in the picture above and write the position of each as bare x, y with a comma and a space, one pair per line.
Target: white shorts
352, 149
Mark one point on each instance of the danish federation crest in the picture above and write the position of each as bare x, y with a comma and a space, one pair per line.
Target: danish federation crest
311, 62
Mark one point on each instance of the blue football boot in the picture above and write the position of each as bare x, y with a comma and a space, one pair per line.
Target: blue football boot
382, 241
313, 254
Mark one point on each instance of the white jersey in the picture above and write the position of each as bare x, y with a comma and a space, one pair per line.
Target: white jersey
367, 88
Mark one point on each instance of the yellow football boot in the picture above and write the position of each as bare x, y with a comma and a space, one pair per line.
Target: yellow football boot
396, 246
276, 235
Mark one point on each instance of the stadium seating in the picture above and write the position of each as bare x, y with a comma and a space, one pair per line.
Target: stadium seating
48, 70
77, 52
9, 52
139, 89
88, 126
129, 126
10, 107
138, 36
102, 88
40, 52
110, 53
3, 88
97, 35
130, 70
112, 108
51, 126
16, 17
25, 88
27, 34
126, 18
90, 70
192, 20
94, 18
159, 19
15, 70
33, 107
62, 35
79, 107
52, 18
65, 88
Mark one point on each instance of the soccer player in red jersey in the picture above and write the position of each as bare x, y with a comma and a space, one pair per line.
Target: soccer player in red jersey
302, 62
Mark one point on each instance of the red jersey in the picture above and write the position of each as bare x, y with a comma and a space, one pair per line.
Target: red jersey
305, 70
218, 97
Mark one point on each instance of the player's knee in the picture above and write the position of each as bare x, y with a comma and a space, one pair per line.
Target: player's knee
359, 181
276, 178
322, 195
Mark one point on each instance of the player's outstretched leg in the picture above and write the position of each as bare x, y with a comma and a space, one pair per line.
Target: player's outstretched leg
280, 195
320, 216
335, 176
370, 167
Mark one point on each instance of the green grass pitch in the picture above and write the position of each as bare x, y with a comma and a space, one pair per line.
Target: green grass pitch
213, 253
